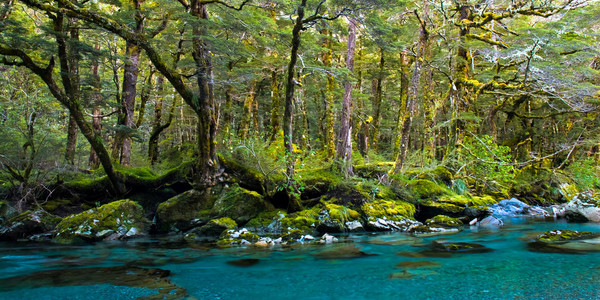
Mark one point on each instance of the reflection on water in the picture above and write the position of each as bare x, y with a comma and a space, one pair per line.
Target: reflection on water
491, 264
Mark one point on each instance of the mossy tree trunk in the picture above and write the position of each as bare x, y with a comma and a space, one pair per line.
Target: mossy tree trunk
344, 140
275, 107
247, 111
377, 99
328, 103
404, 82
70, 74
96, 98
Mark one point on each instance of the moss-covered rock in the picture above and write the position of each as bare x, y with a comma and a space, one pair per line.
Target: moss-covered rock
248, 178
115, 220
427, 189
566, 235
240, 204
28, 224
268, 222
387, 209
444, 221
456, 206
186, 210
6, 212
585, 207
333, 218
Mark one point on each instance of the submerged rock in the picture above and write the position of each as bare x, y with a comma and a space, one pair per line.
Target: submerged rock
156, 279
244, 262
341, 252
116, 220
418, 264
566, 241
27, 225
459, 247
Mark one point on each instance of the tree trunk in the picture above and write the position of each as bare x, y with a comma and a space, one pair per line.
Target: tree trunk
204, 103
72, 65
275, 107
247, 112
96, 99
157, 127
344, 144
404, 82
413, 91
328, 103
377, 97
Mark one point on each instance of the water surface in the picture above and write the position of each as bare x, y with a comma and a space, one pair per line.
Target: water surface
387, 266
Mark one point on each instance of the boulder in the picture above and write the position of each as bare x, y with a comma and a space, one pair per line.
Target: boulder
585, 207
388, 210
516, 208
185, 210
240, 204
459, 247
566, 241
490, 222
6, 212
27, 225
116, 220
267, 222
444, 221
456, 206
333, 218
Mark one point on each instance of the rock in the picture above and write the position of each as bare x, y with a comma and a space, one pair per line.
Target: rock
186, 210
328, 239
116, 220
215, 227
397, 224
244, 262
491, 222
423, 230
333, 217
341, 252
460, 247
444, 221
354, 226
267, 222
418, 264
585, 207
6, 212
232, 237
28, 224
240, 204
566, 241
473, 222
387, 210
516, 208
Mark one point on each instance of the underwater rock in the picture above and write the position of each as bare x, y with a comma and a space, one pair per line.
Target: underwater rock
444, 221
566, 241
244, 262
418, 264
156, 279
28, 224
459, 247
401, 275
345, 251
116, 220
516, 208
491, 222
585, 207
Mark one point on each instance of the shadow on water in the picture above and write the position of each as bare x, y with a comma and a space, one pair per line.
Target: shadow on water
155, 279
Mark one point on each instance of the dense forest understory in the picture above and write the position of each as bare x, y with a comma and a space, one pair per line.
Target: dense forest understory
127, 118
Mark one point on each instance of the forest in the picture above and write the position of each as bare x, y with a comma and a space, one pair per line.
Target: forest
332, 104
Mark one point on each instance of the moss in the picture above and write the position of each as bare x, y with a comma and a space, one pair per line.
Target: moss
179, 211
303, 222
265, 219
388, 209
292, 234
248, 177
54, 204
445, 207
318, 181
6, 211
119, 216
249, 236
341, 213
240, 204
224, 222
427, 189
217, 227
467, 200
565, 235
444, 221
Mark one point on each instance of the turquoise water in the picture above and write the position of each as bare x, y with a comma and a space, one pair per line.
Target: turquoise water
385, 269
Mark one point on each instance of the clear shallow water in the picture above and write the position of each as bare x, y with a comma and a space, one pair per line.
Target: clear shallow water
110, 270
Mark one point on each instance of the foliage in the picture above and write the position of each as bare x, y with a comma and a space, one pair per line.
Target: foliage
487, 161
585, 173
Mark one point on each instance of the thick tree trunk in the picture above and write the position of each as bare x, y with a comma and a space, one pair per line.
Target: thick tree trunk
72, 131
344, 144
204, 103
